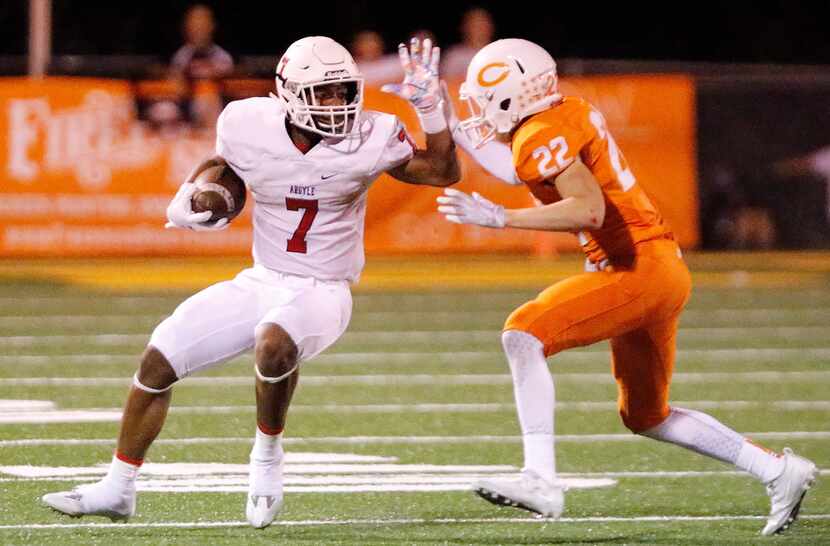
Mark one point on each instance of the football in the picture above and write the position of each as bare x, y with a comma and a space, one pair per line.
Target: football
219, 190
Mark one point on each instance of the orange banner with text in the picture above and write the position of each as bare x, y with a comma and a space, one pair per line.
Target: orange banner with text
82, 177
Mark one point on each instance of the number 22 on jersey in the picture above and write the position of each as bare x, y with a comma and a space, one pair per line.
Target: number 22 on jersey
297, 242
557, 149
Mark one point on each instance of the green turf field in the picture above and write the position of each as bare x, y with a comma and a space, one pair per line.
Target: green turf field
389, 427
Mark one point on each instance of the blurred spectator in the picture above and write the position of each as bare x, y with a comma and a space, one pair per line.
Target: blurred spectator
809, 176
733, 215
816, 163
195, 75
376, 66
477, 30
753, 229
200, 58
423, 33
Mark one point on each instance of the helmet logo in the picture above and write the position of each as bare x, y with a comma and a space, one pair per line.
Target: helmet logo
282, 66
500, 77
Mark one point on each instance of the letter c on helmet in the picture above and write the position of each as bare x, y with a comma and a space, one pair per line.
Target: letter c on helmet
500, 77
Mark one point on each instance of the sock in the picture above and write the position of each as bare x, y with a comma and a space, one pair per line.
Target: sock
706, 435
535, 400
762, 463
123, 471
267, 446
539, 455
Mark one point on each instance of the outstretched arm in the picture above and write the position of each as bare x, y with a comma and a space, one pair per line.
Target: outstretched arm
582, 206
435, 166
438, 164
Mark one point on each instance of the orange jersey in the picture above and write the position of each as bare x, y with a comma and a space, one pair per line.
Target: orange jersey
549, 142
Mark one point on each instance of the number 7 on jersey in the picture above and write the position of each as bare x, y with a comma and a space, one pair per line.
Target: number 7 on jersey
297, 242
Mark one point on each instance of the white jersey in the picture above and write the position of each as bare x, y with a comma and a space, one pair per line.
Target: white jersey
309, 212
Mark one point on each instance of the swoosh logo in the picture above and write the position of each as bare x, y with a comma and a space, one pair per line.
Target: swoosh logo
327, 176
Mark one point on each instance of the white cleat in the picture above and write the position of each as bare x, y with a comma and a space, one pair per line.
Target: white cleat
264, 491
96, 499
529, 492
787, 491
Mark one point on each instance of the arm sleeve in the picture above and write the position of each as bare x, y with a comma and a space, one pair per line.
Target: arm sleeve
495, 157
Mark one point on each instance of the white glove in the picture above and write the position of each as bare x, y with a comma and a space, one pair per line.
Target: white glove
180, 212
460, 208
420, 84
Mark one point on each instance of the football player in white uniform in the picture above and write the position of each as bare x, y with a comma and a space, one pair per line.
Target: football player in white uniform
308, 156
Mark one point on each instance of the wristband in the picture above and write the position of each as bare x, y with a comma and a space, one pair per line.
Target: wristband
433, 122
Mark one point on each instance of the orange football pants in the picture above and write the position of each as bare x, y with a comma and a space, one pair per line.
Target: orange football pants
636, 303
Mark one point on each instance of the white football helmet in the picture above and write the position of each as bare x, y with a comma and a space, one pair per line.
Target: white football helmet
312, 62
507, 81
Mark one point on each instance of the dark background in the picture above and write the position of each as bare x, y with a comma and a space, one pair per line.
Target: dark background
769, 32
755, 109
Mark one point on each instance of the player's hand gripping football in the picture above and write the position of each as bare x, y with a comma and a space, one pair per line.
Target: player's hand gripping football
420, 84
460, 208
180, 212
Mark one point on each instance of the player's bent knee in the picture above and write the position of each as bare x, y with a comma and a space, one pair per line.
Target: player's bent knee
518, 343
276, 354
641, 421
155, 374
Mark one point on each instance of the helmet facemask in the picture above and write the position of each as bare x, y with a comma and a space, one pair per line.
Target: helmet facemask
305, 111
479, 127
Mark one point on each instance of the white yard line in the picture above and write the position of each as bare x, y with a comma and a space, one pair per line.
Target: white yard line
396, 521
786, 405
737, 314
423, 336
68, 359
348, 358
101, 339
367, 477
21, 406
320, 464
383, 319
29, 412
383, 440
89, 321
427, 379
590, 355
63, 301
748, 356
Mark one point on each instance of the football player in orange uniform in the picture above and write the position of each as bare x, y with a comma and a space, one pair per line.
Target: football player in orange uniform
633, 291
